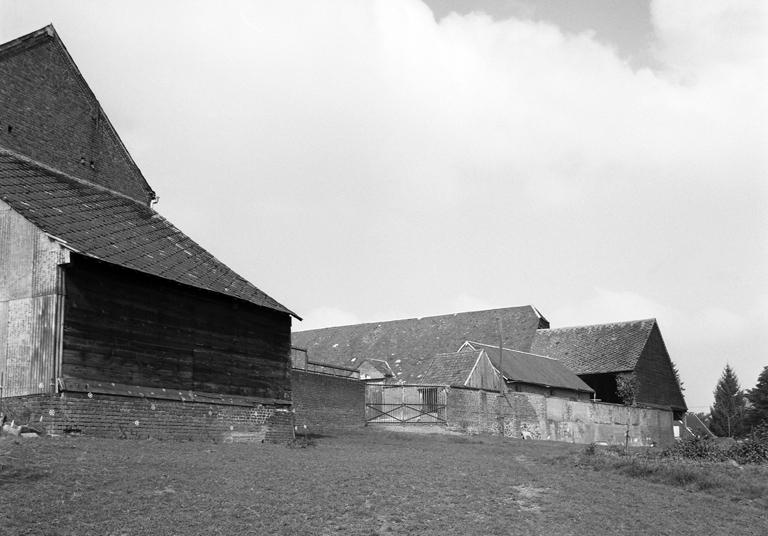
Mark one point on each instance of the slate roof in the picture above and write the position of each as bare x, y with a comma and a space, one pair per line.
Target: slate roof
111, 227
450, 369
530, 368
596, 349
407, 345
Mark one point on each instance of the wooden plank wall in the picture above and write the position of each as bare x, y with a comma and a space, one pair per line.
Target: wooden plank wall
29, 279
484, 375
658, 385
126, 327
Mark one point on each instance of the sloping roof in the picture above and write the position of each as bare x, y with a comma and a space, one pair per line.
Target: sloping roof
595, 349
526, 367
380, 365
114, 228
48, 35
407, 345
450, 369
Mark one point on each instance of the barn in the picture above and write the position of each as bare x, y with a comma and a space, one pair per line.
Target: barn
112, 321
604, 354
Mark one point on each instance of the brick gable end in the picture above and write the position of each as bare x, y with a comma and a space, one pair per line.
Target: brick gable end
48, 114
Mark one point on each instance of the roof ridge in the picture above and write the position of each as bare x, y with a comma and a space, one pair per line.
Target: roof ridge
605, 324
26, 41
458, 352
408, 319
513, 350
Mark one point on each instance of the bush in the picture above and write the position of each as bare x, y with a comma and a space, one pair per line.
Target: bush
749, 451
753, 450
696, 448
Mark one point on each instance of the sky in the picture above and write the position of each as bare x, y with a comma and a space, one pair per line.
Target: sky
373, 160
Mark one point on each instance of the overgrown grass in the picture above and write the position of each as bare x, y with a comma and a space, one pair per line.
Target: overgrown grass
354, 484
693, 466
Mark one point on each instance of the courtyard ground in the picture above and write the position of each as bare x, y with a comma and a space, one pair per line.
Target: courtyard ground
357, 483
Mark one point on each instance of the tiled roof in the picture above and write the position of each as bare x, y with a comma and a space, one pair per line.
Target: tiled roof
111, 227
450, 369
381, 366
525, 367
407, 345
595, 349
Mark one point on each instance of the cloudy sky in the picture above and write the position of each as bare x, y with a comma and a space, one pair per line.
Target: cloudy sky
372, 160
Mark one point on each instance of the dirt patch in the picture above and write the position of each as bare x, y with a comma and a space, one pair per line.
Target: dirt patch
527, 497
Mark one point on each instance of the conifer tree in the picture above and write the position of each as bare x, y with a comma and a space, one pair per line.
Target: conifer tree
758, 397
728, 411
677, 376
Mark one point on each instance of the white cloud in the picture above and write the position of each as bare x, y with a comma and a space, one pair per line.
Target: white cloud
357, 157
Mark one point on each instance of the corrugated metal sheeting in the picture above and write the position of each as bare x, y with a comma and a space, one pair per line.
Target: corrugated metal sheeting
29, 306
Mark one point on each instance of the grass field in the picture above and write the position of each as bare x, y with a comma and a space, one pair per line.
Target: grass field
358, 483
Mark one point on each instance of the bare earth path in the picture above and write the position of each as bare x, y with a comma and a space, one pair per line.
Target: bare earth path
360, 483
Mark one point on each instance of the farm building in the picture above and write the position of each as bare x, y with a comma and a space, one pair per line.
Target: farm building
541, 393
532, 373
112, 321
602, 354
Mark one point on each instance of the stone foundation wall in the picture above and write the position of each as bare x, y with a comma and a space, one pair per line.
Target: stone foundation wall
557, 419
143, 418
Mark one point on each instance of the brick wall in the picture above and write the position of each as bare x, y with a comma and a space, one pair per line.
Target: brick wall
557, 419
327, 403
47, 114
143, 418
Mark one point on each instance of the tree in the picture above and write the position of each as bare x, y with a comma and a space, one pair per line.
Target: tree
728, 411
758, 397
627, 387
677, 376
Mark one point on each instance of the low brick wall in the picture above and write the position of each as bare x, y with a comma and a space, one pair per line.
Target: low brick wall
558, 419
143, 418
327, 403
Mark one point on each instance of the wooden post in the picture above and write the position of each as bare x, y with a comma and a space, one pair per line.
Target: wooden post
503, 385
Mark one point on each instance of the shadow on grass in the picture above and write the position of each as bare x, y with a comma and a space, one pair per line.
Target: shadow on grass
16, 475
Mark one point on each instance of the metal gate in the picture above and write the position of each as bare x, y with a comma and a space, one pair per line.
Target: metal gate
412, 404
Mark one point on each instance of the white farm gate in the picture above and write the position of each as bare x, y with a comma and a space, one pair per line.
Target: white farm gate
406, 404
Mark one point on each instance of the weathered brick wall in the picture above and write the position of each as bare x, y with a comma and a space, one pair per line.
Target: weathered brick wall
144, 418
49, 116
326, 403
558, 419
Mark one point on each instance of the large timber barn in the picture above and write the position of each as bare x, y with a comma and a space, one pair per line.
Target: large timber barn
112, 321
